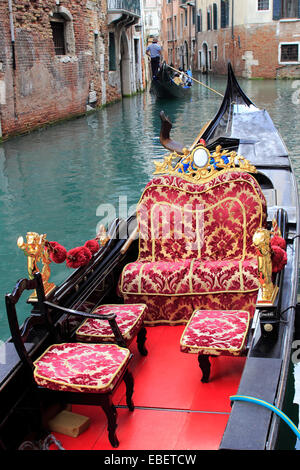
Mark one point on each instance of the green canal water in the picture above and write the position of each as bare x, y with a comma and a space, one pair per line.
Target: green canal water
65, 179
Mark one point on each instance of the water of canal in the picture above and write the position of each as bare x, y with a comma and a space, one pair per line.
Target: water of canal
64, 179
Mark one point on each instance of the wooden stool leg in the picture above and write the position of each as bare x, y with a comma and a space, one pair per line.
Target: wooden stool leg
204, 364
141, 339
128, 379
111, 414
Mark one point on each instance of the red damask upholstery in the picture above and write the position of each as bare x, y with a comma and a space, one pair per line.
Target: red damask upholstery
195, 242
215, 333
76, 367
128, 317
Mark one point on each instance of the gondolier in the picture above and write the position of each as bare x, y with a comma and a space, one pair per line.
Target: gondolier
154, 52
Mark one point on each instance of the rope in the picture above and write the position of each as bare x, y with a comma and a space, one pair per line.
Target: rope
197, 81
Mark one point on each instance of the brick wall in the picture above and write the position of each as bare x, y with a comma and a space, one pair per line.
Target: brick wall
45, 87
254, 50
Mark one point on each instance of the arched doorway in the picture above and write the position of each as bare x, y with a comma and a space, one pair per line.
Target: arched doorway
124, 65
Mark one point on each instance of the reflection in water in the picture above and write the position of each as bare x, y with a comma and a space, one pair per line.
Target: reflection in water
53, 180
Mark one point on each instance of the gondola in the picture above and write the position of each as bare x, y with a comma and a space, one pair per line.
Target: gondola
179, 406
164, 87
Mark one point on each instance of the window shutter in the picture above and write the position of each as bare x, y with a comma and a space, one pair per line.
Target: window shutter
298, 8
277, 9
215, 10
223, 20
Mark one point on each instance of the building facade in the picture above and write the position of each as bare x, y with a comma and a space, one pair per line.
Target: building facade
178, 33
261, 38
152, 18
61, 58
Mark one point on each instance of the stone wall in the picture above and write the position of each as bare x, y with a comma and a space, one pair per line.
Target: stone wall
36, 85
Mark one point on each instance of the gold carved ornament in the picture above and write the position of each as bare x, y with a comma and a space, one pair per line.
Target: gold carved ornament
200, 165
261, 240
36, 249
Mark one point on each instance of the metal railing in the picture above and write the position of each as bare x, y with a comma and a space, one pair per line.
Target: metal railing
133, 6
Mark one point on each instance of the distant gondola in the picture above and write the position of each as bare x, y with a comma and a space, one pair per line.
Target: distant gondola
164, 87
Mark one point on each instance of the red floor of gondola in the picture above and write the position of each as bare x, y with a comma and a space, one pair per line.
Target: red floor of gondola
174, 409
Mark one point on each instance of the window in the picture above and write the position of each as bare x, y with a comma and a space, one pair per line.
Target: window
289, 8
175, 27
199, 21
136, 50
289, 53
199, 60
61, 23
224, 13
215, 16
215, 52
262, 5
286, 9
185, 17
169, 28
193, 15
208, 19
112, 51
58, 33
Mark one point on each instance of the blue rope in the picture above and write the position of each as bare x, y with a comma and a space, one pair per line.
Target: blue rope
271, 407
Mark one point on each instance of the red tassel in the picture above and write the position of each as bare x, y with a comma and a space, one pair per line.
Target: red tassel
92, 245
202, 142
57, 252
77, 257
279, 258
278, 241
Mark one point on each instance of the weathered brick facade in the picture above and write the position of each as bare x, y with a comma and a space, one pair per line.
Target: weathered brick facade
254, 35
252, 50
37, 86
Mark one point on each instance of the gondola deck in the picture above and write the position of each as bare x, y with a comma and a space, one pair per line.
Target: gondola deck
173, 409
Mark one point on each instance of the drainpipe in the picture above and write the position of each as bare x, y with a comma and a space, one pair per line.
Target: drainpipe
12, 32
232, 20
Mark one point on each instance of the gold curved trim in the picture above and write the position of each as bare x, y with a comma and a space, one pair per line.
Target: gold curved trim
191, 293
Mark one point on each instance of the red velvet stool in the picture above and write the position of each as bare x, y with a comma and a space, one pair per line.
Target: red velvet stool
130, 320
215, 333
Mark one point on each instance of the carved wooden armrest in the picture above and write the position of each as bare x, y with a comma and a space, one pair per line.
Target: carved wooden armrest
110, 317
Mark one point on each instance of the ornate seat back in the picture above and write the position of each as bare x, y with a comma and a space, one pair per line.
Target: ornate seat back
213, 220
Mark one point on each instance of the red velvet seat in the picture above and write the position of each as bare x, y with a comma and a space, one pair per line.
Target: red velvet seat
215, 333
195, 246
77, 367
70, 372
130, 320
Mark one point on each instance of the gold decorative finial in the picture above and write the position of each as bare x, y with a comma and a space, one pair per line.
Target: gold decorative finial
200, 165
102, 236
268, 291
36, 249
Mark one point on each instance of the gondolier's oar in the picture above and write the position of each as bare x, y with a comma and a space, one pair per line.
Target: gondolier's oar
197, 81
